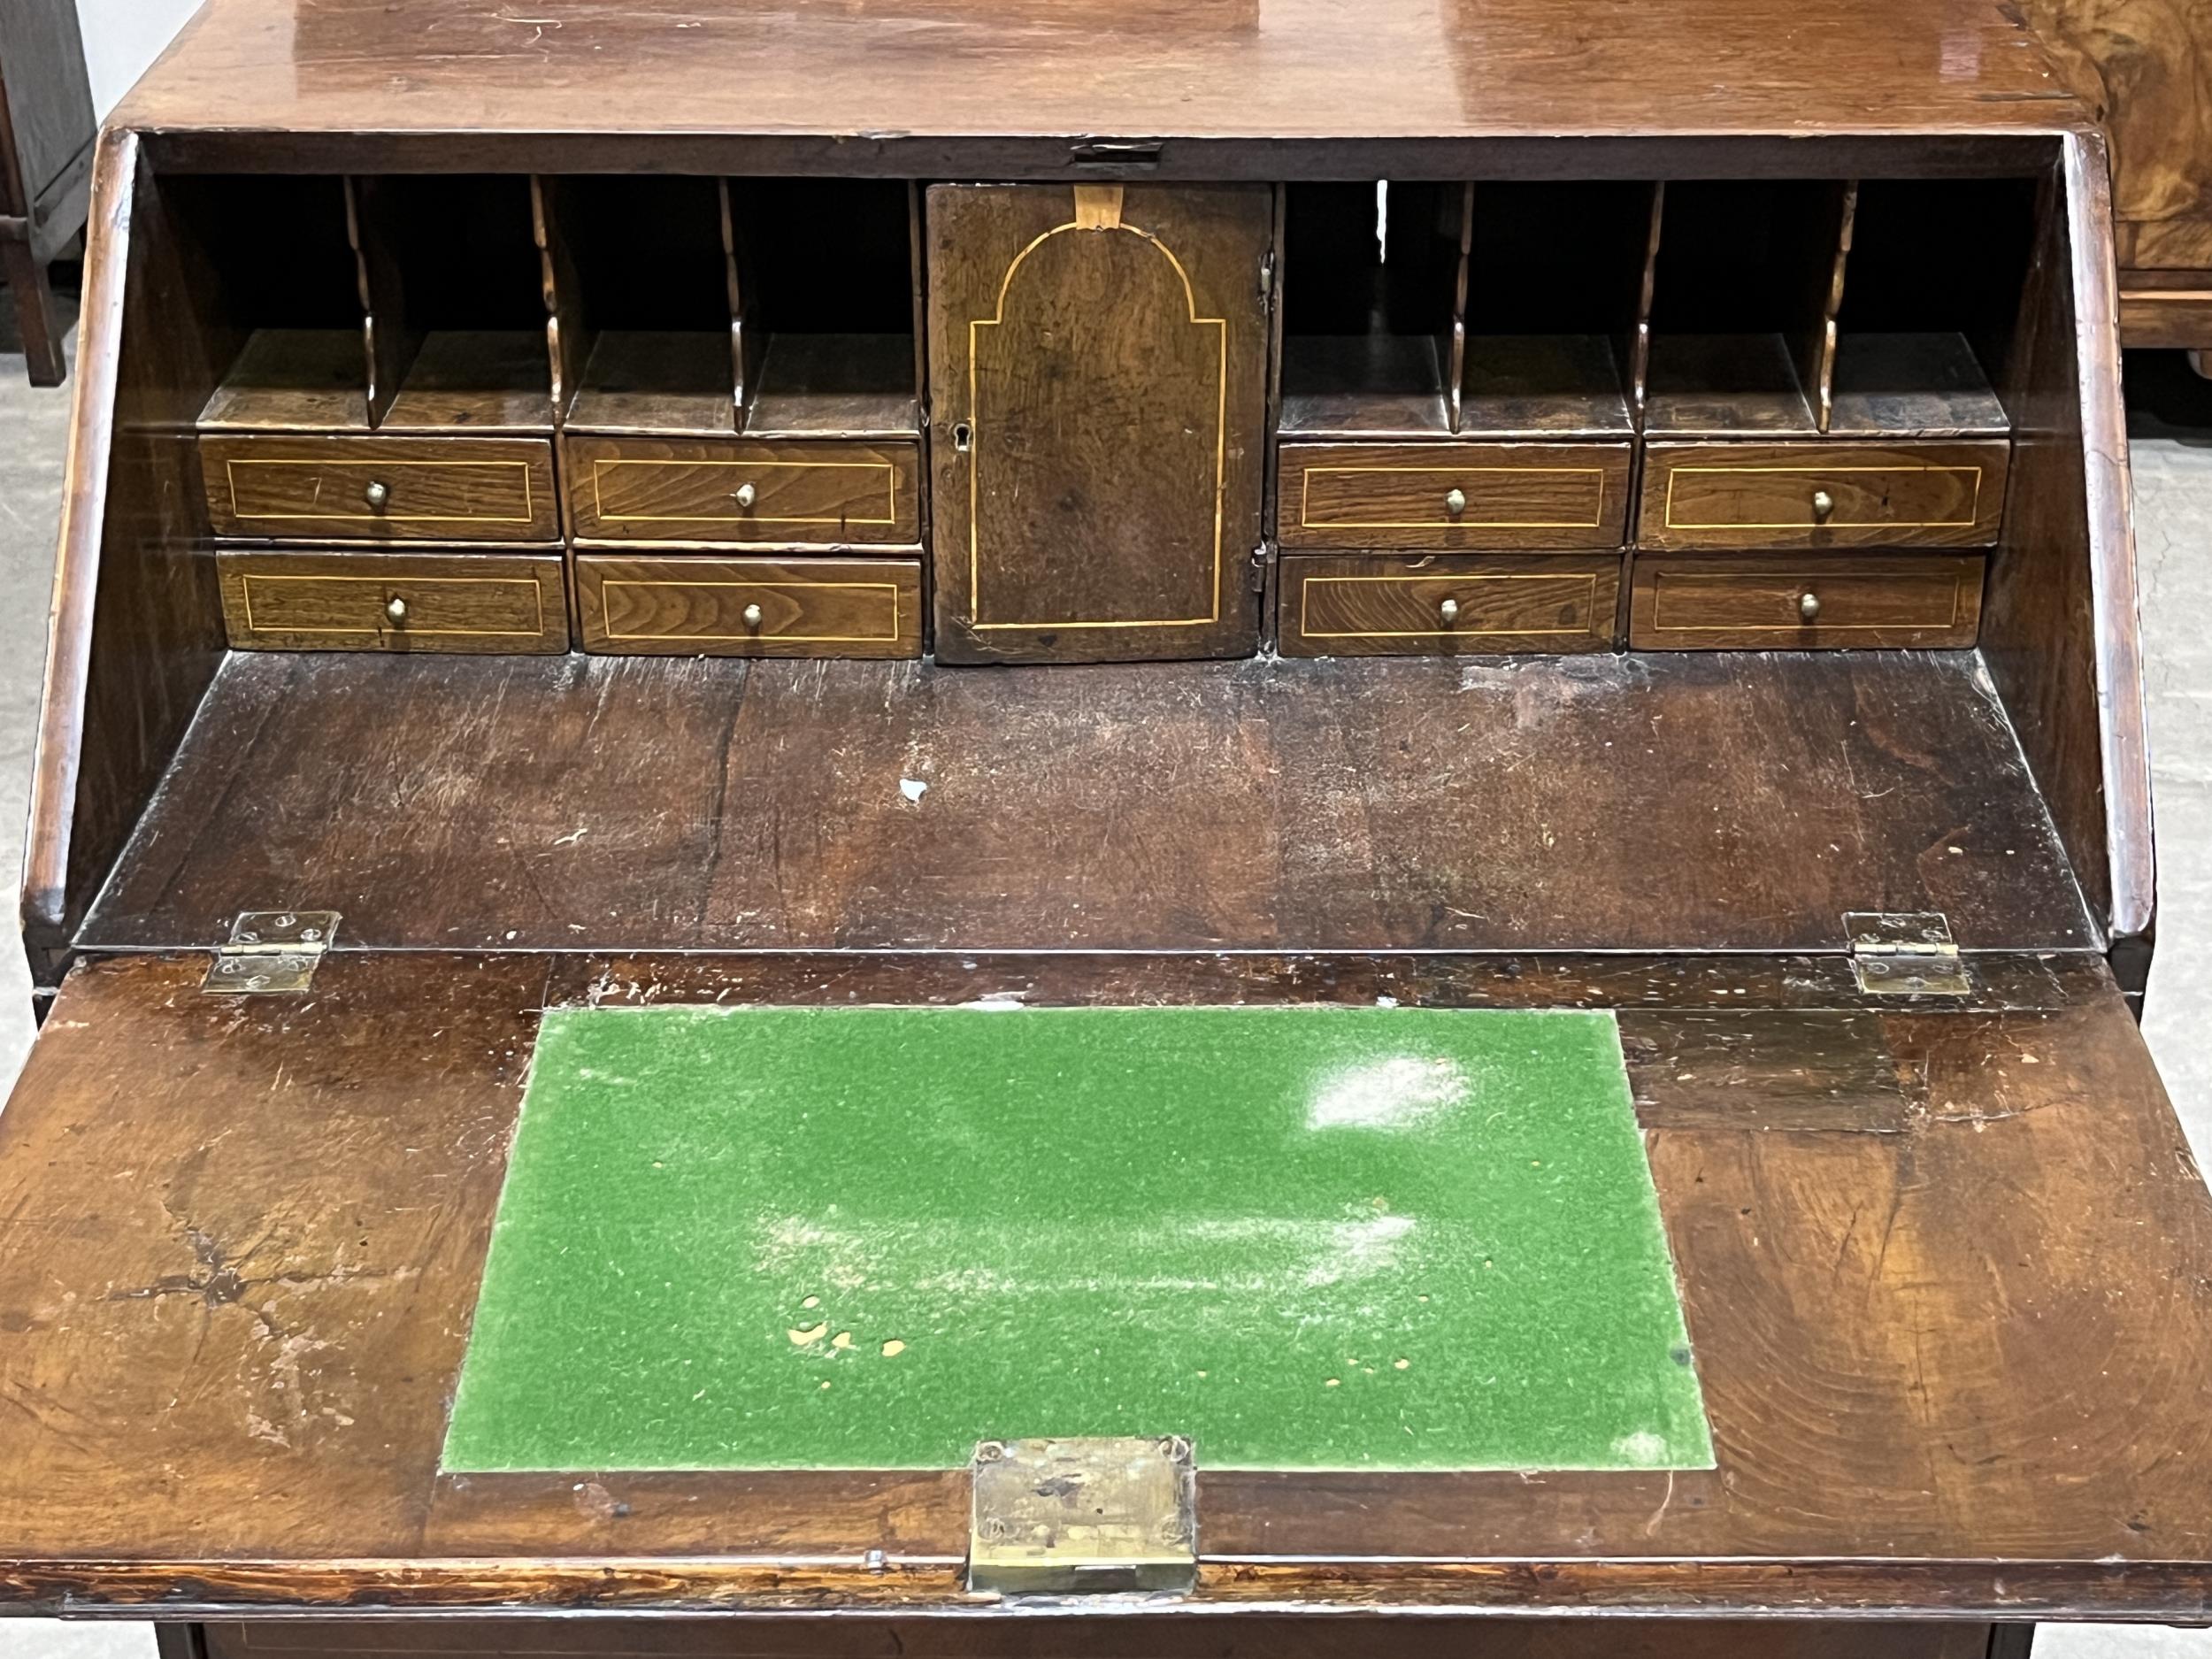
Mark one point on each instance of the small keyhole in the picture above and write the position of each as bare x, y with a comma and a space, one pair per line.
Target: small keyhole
962, 436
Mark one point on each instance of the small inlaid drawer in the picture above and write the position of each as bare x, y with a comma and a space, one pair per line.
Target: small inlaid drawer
1508, 496
342, 600
1823, 494
742, 491
1756, 604
422, 489
713, 607
1351, 606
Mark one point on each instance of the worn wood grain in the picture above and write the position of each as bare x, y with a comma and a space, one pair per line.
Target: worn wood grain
1098, 393
1678, 801
1863, 1468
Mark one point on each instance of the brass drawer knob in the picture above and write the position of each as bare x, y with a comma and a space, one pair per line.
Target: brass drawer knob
744, 496
1455, 502
376, 495
752, 616
396, 608
1808, 607
1824, 503
1449, 611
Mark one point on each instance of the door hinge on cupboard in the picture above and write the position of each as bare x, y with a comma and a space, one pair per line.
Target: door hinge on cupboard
271, 951
1905, 953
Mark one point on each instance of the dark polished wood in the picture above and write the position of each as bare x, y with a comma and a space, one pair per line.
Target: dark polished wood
1098, 390
1454, 497
275, 1331
351, 600
1448, 605
719, 607
1340, 805
46, 132
1803, 602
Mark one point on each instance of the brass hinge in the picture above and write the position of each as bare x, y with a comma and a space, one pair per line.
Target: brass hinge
1075, 1516
1905, 953
1267, 279
1259, 569
272, 951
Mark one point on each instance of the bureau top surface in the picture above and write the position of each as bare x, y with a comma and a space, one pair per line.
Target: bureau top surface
880, 72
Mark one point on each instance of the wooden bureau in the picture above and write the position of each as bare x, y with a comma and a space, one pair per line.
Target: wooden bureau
1528, 505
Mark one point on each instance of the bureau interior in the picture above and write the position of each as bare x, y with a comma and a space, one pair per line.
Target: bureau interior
543, 451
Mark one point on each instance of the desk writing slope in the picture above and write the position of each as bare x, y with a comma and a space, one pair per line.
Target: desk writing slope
1306, 1237
1941, 1267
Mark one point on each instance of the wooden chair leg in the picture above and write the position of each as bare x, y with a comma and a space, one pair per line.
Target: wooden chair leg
36, 318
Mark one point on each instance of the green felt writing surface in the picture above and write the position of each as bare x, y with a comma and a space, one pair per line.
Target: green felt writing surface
1308, 1238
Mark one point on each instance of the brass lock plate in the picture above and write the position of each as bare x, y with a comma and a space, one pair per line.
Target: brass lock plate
1082, 1516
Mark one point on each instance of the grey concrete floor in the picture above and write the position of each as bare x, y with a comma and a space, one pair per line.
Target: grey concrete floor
2173, 501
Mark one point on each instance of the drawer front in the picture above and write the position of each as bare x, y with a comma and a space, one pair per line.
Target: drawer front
1750, 603
1823, 494
1508, 496
1350, 606
709, 607
347, 601
423, 489
743, 491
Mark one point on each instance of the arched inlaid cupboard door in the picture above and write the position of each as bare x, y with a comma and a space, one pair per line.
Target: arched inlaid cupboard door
1098, 378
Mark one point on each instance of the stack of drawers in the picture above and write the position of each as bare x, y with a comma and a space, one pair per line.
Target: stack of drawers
375, 543
1459, 547
652, 518
1758, 546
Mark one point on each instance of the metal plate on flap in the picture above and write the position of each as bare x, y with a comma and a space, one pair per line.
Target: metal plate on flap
272, 951
1905, 953
1055, 1517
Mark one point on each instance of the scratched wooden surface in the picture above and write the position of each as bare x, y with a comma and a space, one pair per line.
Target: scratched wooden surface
1944, 1271
1702, 802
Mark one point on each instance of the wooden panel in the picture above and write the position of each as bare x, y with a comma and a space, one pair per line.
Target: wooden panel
302, 601
2061, 633
1098, 397
613, 83
1380, 803
434, 489
1509, 496
1450, 606
1157, 1634
1770, 495
709, 607
137, 628
2163, 317
742, 491
1751, 602
274, 1326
